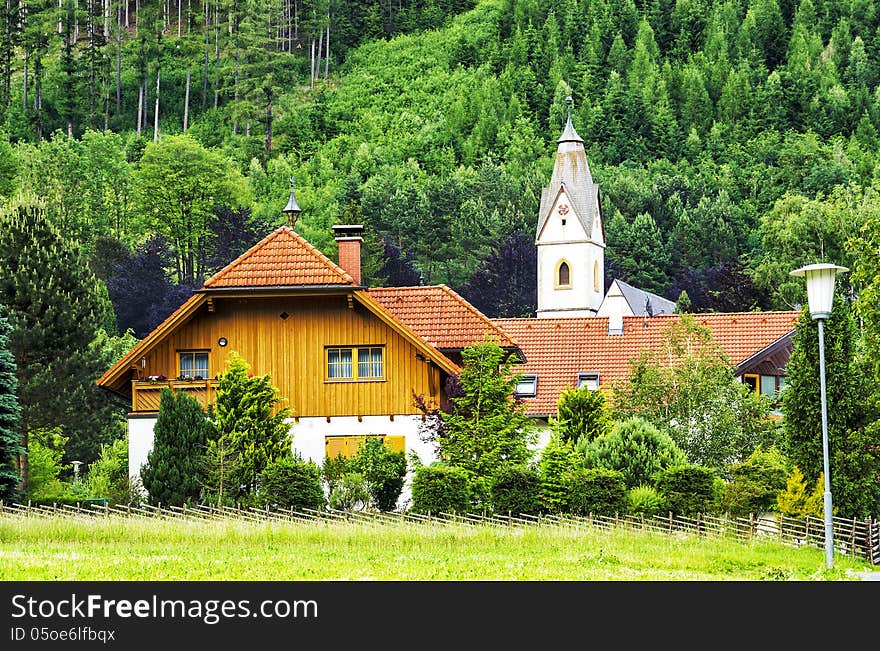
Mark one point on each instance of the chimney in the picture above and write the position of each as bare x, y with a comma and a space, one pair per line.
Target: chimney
348, 239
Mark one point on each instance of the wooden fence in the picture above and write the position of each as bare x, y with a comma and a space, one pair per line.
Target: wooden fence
858, 538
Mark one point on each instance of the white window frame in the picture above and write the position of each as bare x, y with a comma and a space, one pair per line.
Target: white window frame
583, 379
529, 378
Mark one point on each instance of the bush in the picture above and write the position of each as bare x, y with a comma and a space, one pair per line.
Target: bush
686, 490
350, 493
557, 463
581, 413
598, 491
384, 470
796, 501
334, 468
108, 475
440, 488
635, 448
755, 483
644, 500
516, 489
291, 484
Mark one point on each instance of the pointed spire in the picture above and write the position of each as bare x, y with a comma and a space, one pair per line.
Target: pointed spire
292, 209
569, 134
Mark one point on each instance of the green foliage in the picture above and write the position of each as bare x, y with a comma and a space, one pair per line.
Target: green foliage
487, 428
171, 475
384, 471
755, 483
687, 490
45, 452
645, 500
796, 500
10, 447
687, 387
440, 488
108, 475
350, 493
516, 489
853, 435
598, 491
334, 468
558, 461
635, 448
291, 484
581, 413
250, 430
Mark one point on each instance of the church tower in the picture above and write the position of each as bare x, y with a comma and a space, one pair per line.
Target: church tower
570, 236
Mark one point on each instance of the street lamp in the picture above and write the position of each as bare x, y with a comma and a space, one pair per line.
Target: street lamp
292, 209
820, 294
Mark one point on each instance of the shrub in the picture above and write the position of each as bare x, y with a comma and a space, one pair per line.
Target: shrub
635, 448
516, 489
686, 490
292, 484
108, 475
755, 483
384, 470
598, 491
440, 488
645, 500
795, 501
350, 493
557, 463
334, 468
581, 413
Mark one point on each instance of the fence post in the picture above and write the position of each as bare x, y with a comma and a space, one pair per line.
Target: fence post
752, 529
670, 521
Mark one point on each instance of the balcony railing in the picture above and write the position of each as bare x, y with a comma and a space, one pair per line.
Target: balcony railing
145, 394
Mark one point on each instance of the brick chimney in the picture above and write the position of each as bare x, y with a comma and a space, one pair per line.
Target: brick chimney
348, 239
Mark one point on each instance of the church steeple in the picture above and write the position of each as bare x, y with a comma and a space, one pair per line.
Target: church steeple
570, 235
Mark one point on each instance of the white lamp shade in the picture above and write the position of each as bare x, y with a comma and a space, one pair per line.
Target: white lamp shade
820, 287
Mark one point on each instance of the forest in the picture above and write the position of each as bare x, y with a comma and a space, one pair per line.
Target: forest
733, 141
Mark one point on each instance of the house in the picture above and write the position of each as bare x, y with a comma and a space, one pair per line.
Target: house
346, 359
349, 360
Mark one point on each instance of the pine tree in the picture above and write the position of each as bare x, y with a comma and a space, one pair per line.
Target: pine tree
171, 475
55, 309
10, 449
250, 427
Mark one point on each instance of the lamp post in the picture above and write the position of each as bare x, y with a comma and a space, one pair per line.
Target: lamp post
820, 294
292, 209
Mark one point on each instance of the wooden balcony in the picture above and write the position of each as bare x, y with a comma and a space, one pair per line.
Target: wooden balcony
145, 395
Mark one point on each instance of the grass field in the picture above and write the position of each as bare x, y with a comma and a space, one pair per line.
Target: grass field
139, 549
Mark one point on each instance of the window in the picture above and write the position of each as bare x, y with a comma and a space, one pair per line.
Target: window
527, 385
563, 275
589, 380
768, 385
596, 276
193, 364
347, 446
369, 366
753, 381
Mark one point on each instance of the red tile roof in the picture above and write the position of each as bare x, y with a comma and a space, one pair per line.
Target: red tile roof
557, 350
282, 258
439, 316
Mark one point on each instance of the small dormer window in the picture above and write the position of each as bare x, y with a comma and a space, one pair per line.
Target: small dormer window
589, 380
563, 275
527, 385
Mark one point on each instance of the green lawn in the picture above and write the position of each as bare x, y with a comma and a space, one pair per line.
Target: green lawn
118, 548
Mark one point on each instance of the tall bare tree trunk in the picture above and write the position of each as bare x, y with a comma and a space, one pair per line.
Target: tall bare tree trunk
179, 18
318, 56
216, 58
312, 65
24, 87
327, 50
119, 67
186, 101
140, 116
156, 111
207, 45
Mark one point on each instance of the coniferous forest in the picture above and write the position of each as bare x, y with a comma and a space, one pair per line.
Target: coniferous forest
733, 141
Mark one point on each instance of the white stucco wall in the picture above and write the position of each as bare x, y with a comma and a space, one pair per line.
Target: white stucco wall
140, 442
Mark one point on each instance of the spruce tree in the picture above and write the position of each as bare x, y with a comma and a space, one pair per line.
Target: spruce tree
10, 449
172, 472
250, 427
853, 431
55, 308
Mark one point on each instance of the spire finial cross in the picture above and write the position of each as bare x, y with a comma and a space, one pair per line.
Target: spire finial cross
569, 101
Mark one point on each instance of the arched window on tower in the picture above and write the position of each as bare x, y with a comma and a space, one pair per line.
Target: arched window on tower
563, 275
596, 276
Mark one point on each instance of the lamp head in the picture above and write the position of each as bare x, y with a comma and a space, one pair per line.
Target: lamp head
820, 286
